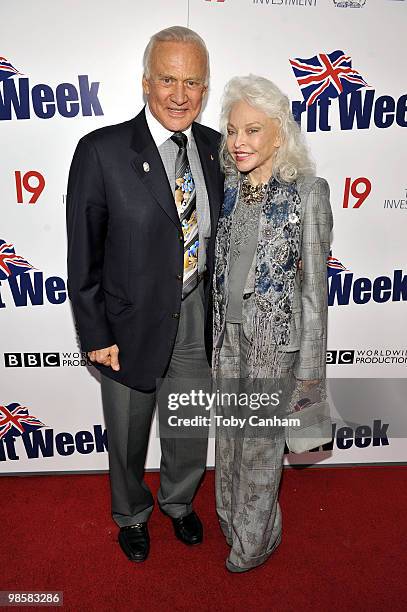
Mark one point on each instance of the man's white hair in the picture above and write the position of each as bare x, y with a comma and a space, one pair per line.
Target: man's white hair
174, 34
291, 159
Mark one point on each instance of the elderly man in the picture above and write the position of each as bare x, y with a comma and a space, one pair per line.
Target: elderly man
142, 208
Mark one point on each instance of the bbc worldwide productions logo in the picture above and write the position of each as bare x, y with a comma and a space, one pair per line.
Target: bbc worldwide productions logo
340, 357
46, 360
367, 356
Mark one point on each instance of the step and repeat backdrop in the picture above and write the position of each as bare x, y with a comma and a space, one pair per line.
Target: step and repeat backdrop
69, 67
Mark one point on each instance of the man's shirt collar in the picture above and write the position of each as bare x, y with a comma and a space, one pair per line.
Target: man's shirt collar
159, 133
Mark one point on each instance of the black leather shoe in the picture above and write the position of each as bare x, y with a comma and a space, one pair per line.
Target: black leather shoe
135, 541
188, 529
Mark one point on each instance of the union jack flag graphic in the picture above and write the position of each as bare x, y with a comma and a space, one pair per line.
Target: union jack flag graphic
335, 266
10, 263
326, 75
15, 420
6, 69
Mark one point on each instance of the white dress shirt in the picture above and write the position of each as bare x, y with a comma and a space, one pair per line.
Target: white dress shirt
168, 150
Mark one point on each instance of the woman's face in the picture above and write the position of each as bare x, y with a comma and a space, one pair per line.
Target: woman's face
252, 140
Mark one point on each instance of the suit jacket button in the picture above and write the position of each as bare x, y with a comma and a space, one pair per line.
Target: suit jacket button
179, 277
175, 315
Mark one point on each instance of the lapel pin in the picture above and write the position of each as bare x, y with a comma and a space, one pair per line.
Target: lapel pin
212, 157
146, 167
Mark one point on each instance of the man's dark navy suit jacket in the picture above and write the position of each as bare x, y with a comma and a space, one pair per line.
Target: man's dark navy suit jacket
125, 247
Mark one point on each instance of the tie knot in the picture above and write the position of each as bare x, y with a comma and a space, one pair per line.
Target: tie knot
180, 139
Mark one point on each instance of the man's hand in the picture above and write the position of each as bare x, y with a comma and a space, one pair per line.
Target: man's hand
108, 357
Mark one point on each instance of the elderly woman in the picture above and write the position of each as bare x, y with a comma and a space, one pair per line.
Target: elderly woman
270, 298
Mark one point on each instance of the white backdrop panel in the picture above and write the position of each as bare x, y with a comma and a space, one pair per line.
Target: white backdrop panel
106, 46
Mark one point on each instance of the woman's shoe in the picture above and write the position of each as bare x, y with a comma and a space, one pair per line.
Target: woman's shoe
235, 569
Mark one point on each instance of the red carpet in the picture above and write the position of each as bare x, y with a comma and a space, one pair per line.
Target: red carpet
344, 547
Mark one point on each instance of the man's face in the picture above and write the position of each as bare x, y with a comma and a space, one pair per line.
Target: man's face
176, 85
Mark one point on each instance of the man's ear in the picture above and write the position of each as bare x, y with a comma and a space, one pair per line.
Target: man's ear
146, 85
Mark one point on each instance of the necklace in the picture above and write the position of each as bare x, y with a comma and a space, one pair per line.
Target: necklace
252, 194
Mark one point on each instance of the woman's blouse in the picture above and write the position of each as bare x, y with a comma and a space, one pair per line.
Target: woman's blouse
243, 245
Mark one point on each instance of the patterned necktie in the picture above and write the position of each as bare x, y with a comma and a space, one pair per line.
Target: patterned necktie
185, 200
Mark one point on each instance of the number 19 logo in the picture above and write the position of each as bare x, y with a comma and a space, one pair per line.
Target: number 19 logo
32, 182
358, 188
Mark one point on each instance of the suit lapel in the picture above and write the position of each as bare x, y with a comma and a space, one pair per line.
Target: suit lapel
208, 156
150, 169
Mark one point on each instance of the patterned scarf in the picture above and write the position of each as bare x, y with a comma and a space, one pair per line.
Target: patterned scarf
277, 255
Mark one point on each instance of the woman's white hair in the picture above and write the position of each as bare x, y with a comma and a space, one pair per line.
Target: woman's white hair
292, 159
174, 34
